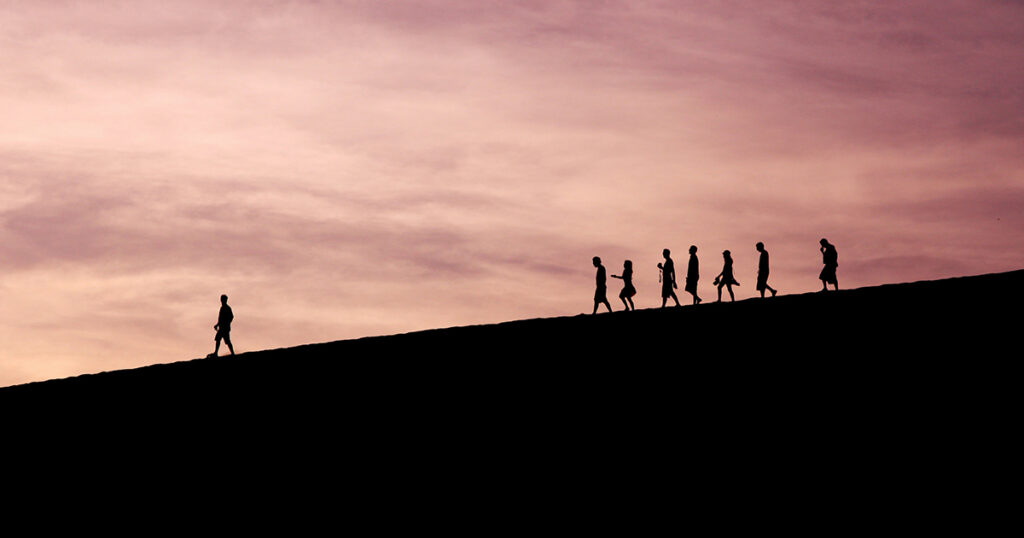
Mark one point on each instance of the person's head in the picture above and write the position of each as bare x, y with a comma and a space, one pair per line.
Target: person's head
597, 261
627, 264
665, 253
726, 254
759, 246
823, 241
224, 299
693, 249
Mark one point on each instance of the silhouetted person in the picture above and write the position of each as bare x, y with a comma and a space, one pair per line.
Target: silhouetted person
692, 275
725, 278
601, 295
668, 279
628, 291
830, 258
762, 271
223, 326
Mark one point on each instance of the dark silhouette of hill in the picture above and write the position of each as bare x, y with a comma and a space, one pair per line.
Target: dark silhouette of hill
890, 340
843, 409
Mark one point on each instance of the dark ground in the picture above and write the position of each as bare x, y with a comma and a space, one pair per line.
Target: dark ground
898, 399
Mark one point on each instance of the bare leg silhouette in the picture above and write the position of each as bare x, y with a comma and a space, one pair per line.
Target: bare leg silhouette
227, 340
728, 286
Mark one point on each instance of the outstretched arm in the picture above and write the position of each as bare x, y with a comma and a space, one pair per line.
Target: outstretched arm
616, 276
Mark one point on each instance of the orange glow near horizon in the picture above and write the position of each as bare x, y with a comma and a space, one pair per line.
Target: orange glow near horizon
359, 168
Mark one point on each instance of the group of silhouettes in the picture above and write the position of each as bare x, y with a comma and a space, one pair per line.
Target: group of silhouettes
667, 276
725, 279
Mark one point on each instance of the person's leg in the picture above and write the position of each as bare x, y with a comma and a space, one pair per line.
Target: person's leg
824, 285
663, 301
762, 292
631, 305
227, 340
216, 347
720, 292
676, 299
595, 306
731, 296
624, 303
771, 289
608, 305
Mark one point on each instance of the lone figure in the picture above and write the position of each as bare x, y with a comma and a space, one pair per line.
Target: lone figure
601, 294
668, 279
830, 258
725, 278
693, 274
762, 271
628, 291
223, 327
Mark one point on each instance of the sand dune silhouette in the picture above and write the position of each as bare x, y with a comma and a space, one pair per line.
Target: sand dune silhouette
827, 341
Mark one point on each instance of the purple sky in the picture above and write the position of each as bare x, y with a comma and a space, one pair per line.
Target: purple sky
343, 169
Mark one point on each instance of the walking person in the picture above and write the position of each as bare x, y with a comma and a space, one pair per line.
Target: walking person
223, 327
628, 291
830, 258
668, 279
762, 271
692, 275
725, 278
601, 293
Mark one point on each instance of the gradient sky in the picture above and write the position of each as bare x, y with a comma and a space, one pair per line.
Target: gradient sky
343, 169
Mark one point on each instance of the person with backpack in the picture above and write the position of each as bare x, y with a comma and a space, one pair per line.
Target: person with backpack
830, 258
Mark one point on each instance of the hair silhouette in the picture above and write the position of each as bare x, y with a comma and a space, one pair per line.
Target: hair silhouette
830, 258
628, 291
762, 271
692, 275
725, 278
668, 279
601, 293
223, 327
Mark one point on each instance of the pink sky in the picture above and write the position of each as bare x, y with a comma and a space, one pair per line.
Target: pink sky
343, 169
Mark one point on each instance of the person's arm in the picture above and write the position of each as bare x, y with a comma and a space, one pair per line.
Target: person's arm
616, 276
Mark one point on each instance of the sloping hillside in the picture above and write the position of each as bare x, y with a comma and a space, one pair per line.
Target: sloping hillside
846, 340
839, 410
